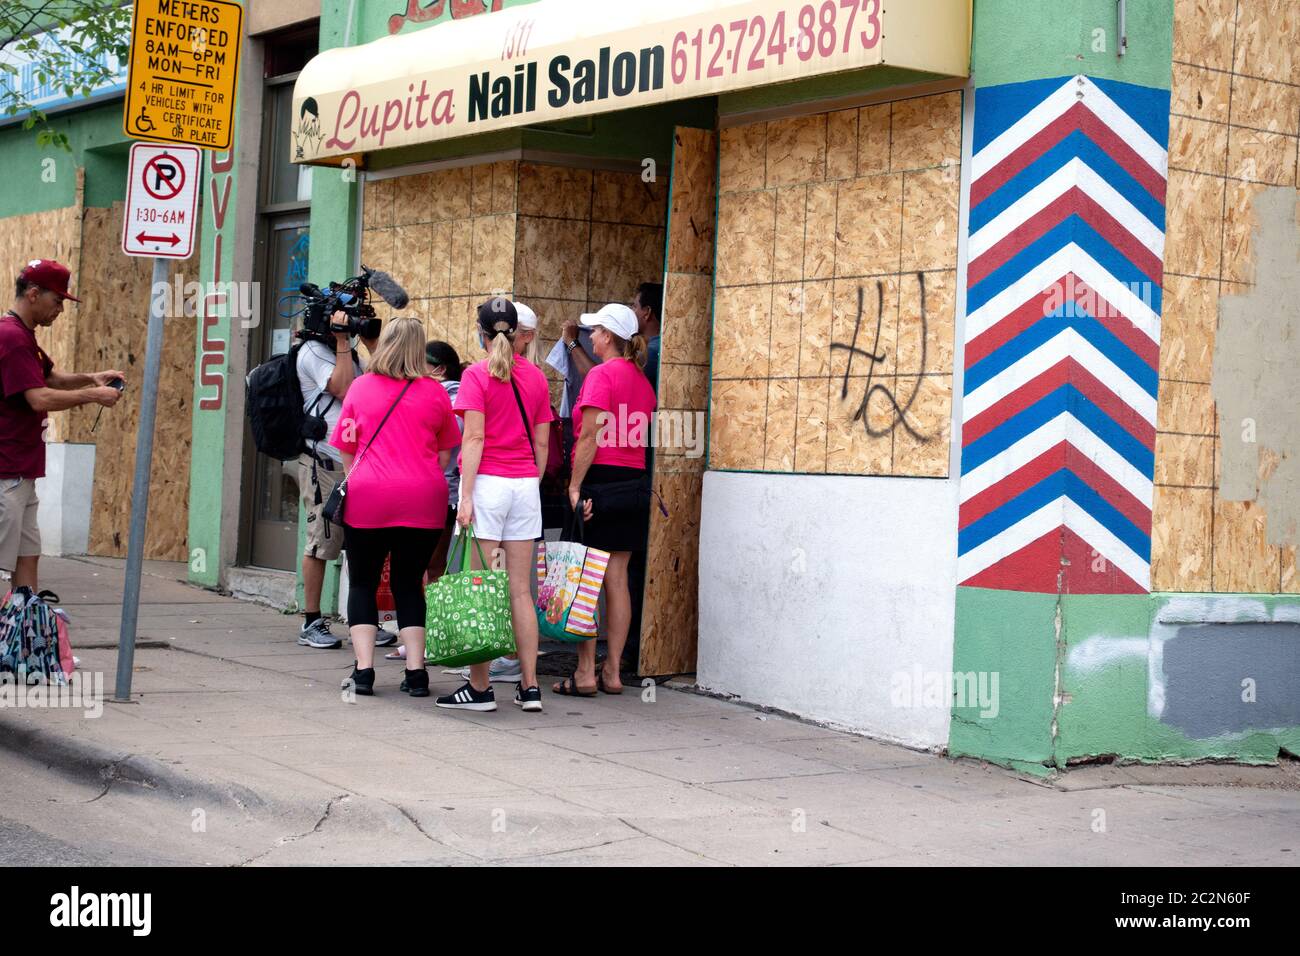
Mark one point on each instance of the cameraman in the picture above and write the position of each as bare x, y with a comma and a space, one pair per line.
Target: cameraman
327, 366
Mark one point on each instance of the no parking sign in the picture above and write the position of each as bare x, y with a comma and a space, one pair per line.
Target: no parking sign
162, 196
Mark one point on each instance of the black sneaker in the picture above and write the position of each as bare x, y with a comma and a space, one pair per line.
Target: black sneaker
385, 638
467, 698
416, 683
362, 681
530, 699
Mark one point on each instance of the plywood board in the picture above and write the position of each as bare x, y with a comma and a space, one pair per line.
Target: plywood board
1243, 561
796, 150
692, 220
746, 237
926, 131
671, 607
555, 191
842, 144
621, 258
54, 234
869, 226
1203, 32
493, 269
551, 258
1235, 63
630, 198
1181, 532
670, 619
111, 334
743, 158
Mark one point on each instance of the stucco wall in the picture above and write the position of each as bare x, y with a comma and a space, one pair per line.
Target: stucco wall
831, 598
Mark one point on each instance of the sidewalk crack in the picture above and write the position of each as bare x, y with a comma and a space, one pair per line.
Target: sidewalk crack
285, 841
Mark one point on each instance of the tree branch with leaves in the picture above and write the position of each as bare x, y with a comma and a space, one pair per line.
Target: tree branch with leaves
72, 45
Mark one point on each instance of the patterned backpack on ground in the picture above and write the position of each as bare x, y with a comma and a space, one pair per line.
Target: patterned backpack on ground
31, 638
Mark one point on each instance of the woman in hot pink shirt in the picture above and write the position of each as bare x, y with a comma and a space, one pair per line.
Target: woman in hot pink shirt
612, 421
506, 405
395, 431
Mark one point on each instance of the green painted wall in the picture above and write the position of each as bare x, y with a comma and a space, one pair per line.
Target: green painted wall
210, 496
1012, 635
98, 144
372, 16
1015, 40
1105, 653
1106, 695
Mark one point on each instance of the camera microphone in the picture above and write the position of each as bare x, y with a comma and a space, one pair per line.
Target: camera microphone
311, 290
389, 290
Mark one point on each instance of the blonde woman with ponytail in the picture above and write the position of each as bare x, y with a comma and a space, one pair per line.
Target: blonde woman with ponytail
612, 420
506, 407
526, 335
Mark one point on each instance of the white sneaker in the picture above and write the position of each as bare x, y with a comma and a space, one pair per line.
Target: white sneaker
504, 670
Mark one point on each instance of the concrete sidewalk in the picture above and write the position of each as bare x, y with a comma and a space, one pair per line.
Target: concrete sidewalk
239, 748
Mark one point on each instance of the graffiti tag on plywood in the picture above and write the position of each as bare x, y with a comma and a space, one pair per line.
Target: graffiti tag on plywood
874, 356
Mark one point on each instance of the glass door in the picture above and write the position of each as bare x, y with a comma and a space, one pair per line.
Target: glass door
274, 526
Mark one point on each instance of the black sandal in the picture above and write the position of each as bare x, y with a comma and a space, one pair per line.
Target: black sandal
601, 688
569, 688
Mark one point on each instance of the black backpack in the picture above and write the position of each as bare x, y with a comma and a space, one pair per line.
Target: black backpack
273, 403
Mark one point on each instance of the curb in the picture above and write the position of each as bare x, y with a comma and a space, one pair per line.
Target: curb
98, 766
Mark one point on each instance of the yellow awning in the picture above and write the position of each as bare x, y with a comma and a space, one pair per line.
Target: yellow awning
557, 59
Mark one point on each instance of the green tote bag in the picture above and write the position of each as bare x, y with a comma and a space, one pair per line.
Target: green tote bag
467, 613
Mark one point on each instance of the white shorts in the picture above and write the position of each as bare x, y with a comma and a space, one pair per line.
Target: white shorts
507, 509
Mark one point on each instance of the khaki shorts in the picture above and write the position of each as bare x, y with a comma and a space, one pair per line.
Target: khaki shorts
324, 540
20, 537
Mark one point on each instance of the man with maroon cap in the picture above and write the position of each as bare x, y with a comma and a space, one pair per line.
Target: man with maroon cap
29, 388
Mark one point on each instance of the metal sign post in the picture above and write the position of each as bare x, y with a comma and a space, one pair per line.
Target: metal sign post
162, 195
140, 485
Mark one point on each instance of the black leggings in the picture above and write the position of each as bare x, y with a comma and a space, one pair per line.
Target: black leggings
410, 550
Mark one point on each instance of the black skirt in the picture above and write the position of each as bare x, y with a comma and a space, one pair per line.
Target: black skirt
621, 531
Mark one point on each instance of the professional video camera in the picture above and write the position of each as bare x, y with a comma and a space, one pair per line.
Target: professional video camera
351, 297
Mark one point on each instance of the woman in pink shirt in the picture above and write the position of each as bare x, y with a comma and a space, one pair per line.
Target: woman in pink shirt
612, 421
396, 493
506, 405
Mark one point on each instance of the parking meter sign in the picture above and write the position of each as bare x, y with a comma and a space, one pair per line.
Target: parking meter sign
183, 71
162, 197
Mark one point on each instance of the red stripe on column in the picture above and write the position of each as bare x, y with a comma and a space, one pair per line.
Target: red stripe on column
1072, 202
1071, 288
1059, 456
1067, 370
1023, 155
1059, 561
1077, 117
1152, 180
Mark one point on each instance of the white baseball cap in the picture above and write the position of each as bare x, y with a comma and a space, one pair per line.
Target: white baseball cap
526, 316
619, 319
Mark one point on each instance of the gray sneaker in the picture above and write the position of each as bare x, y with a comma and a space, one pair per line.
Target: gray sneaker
318, 634
504, 670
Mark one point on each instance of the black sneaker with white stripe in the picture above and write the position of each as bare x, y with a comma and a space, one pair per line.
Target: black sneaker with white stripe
467, 698
529, 698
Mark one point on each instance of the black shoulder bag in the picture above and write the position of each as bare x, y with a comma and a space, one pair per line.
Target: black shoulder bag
528, 429
333, 510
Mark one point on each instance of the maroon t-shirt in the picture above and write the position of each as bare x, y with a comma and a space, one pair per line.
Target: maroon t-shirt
23, 365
